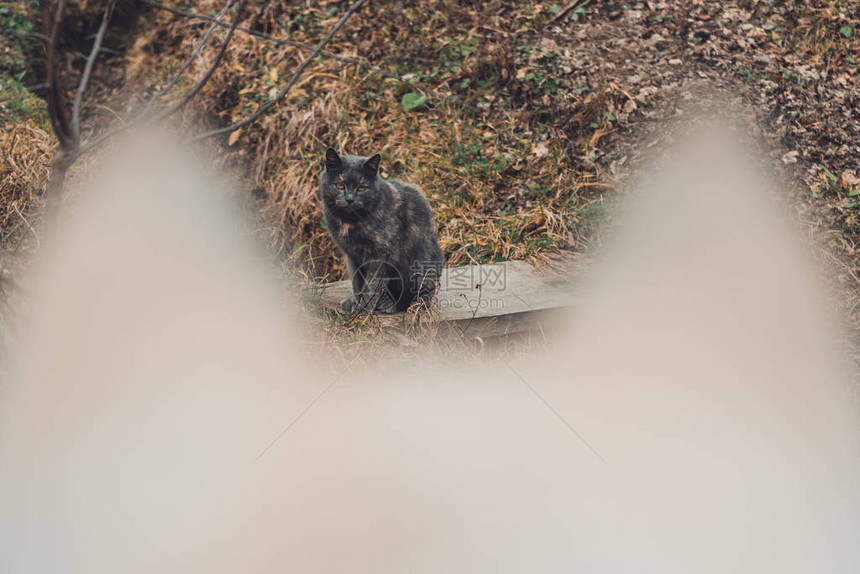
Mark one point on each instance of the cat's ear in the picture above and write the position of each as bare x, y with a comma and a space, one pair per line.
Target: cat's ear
372, 163
332, 159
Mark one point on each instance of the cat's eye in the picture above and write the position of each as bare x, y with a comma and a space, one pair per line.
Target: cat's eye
361, 188
339, 186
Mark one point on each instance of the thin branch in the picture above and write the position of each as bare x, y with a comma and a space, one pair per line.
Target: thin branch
301, 45
283, 93
187, 98
32, 35
185, 65
27, 223
88, 69
96, 141
102, 50
563, 12
205, 79
315, 51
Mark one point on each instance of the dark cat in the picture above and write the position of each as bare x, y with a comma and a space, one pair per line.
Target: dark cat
386, 230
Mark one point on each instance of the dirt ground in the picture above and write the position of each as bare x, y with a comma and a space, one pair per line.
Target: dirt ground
522, 121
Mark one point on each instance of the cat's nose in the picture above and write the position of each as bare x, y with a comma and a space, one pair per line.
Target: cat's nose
349, 199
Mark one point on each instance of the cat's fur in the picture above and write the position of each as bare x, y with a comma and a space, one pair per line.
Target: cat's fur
385, 227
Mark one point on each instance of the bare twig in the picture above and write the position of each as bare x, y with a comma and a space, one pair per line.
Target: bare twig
301, 45
568, 8
27, 223
200, 45
33, 36
88, 69
296, 75
480, 289
203, 81
98, 140
70, 146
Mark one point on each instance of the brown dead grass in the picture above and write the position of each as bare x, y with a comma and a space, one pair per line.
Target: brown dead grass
496, 193
25, 157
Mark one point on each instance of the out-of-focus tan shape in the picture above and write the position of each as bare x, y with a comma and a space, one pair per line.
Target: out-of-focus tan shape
156, 365
700, 369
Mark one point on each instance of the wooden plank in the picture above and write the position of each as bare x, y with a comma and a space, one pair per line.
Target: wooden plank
489, 300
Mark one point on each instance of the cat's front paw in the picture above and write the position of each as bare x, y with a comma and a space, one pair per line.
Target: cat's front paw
385, 304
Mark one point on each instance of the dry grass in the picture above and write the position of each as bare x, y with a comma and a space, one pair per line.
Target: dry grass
501, 181
25, 157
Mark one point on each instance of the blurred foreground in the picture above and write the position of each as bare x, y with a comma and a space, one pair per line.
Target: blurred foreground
695, 418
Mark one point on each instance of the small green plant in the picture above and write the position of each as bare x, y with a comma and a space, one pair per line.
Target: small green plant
831, 178
594, 215
791, 77
411, 101
18, 104
15, 22
577, 14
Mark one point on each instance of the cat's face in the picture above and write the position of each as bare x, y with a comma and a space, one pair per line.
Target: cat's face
349, 183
